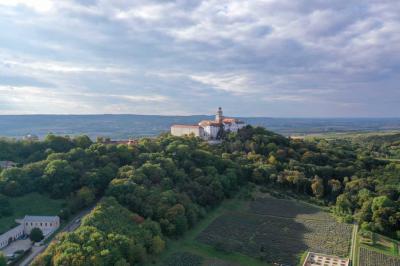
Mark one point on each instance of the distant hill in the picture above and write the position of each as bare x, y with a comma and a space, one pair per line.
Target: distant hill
381, 139
124, 126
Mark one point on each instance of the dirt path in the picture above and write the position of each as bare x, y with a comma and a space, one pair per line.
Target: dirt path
353, 251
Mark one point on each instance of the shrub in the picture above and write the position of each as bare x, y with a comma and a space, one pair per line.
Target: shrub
36, 235
3, 261
5, 207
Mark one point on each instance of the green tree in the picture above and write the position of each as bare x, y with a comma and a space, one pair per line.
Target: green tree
83, 141
58, 143
5, 206
36, 235
14, 181
59, 178
122, 262
86, 196
317, 187
3, 260
343, 204
381, 202
158, 245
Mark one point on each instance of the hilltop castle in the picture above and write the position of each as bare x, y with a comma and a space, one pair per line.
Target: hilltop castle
209, 129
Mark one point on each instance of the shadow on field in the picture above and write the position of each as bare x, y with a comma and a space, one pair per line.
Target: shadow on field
266, 230
284, 208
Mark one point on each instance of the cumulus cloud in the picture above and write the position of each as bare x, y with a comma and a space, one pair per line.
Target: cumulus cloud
195, 55
22, 99
37, 5
237, 84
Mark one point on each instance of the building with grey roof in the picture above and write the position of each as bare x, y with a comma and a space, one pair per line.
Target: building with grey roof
48, 225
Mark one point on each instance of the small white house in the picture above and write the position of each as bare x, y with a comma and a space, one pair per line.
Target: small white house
7, 164
48, 224
30, 137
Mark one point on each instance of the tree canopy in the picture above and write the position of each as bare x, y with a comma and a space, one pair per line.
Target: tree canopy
36, 235
160, 188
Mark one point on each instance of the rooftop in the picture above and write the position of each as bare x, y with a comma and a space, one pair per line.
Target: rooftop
317, 259
12, 232
29, 218
209, 123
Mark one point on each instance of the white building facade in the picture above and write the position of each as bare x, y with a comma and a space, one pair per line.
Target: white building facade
11, 235
7, 164
209, 129
47, 224
181, 130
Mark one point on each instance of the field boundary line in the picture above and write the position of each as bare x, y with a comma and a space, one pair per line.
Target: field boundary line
353, 251
380, 251
276, 216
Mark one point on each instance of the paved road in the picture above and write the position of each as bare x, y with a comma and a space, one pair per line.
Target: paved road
71, 226
353, 251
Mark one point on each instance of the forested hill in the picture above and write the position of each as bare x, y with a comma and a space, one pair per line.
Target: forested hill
385, 146
160, 188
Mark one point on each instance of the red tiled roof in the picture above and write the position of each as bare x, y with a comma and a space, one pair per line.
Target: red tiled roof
205, 123
228, 121
232, 120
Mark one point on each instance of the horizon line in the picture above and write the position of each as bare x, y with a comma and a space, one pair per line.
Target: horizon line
191, 115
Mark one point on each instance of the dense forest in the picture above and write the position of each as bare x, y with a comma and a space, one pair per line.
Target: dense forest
381, 146
160, 188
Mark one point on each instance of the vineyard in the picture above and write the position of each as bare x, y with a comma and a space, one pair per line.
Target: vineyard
370, 257
277, 231
286, 208
217, 262
183, 259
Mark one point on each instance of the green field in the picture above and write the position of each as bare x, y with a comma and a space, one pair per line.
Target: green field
260, 232
278, 231
346, 135
375, 250
30, 204
371, 257
191, 252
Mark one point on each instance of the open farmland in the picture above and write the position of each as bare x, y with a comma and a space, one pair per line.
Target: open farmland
369, 257
190, 259
278, 231
183, 259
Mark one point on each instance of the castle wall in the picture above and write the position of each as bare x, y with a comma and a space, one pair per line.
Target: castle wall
211, 132
187, 130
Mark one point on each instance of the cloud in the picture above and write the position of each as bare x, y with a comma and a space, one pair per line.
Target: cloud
38, 100
52, 66
229, 82
190, 56
37, 5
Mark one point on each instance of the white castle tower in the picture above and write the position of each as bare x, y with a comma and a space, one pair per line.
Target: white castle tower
219, 117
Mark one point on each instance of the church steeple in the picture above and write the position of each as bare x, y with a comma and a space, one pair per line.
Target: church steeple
219, 116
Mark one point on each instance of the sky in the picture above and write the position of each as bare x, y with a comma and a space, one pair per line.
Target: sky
274, 58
